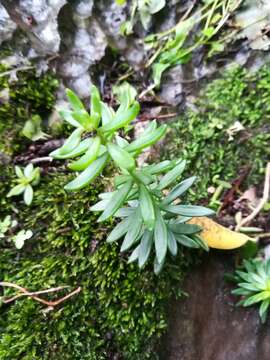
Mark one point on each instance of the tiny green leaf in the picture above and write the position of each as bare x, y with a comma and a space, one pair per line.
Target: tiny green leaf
72, 142
74, 100
188, 210
28, 194
172, 244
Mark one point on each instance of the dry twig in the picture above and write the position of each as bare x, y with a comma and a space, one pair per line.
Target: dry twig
34, 295
262, 202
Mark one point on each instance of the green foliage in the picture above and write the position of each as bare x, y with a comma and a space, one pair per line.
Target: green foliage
119, 310
203, 135
176, 45
28, 97
253, 285
148, 217
25, 179
142, 10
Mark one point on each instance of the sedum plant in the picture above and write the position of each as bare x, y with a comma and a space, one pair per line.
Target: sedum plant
27, 178
145, 199
253, 285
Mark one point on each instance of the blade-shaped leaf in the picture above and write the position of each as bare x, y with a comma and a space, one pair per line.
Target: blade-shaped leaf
17, 190
160, 235
163, 166
134, 255
107, 114
100, 205
147, 207
158, 266
79, 150
74, 100
133, 232
28, 170
95, 106
122, 158
28, 195
72, 142
178, 190
172, 175
68, 117
145, 247
186, 229
122, 119
186, 241
19, 172
116, 201
88, 175
172, 244
88, 157
188, 210
200, 242
147, 140
120, 230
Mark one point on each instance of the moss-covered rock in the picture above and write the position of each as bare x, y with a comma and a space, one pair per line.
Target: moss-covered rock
202, 135
28, 96
120, 310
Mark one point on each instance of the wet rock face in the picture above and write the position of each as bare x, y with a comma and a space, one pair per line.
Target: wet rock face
38, 18
207, 325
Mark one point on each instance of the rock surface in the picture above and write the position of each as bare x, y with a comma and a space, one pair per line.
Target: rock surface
208, 326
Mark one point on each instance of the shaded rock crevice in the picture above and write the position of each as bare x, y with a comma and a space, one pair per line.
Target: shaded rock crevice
208, 326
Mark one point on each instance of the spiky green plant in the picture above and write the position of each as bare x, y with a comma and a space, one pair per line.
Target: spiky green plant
253, 285
145, 200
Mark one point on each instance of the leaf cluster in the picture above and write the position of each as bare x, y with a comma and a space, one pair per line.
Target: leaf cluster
253, 285
27, 178
148, 216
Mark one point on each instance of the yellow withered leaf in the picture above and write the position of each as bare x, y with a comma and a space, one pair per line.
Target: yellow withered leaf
219, 237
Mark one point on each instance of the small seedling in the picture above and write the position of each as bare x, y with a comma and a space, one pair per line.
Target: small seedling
27, 178
253, 285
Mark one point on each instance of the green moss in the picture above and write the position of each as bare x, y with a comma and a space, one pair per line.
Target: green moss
201, 135
30, 95
120, 310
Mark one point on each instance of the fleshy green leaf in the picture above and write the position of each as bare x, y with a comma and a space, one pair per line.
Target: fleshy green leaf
88, 157
147, 140
95, 106
79, 150
28, 194
145, 247
17, 190
147, 208
107, 114
172, 244
122, 158
74, 100
178, 190
72, 142
122, 119
88, 175
19, 172
116, 201
172, 175
120, 230
68, 117
186, 241
160, 235
133, 232
134, 255
186, 229
188, 210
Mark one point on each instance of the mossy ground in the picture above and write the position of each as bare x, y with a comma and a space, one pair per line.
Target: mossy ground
201, 135
121, 311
